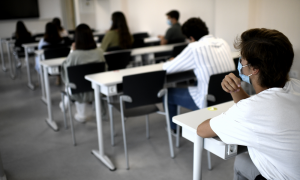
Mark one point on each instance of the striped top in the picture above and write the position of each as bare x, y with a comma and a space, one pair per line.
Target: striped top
206, 57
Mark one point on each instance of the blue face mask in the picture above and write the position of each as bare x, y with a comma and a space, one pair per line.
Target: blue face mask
244, 77
169, 22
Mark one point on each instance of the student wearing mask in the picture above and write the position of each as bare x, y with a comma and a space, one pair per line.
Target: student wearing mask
268, 122
173, 34
51, 37
206, 55
62, 32
118, 37
84, 50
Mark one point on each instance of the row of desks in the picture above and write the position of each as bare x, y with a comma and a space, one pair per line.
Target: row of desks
108, 83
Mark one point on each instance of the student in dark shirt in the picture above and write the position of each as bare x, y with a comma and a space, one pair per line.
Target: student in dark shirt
22, 36
173, 34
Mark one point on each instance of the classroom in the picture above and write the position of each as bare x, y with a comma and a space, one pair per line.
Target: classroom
149, 89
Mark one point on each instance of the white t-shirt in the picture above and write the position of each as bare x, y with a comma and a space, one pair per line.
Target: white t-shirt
269, 124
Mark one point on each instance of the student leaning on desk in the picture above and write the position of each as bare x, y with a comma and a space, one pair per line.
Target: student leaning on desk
84, 51
206, 55
267, 123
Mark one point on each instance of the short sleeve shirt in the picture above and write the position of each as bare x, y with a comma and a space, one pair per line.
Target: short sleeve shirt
269, 125
174, 34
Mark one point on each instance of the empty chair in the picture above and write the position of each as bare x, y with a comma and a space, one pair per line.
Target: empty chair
178, 49
78, 84
140, 94
117, 60
139, 39
56, 52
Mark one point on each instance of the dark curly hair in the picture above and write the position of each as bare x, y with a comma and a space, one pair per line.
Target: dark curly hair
120, 24
270, 51
194, 27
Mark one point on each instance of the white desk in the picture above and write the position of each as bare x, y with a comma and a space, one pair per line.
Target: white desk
151, 39
27, 46
47, 65
189, 123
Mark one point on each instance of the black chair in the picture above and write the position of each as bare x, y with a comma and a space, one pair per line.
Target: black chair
139, 39
115, 48
100, 37
54, 46
260, 177
178, 49
117, 60
163, 57
140, 94
71, 31
67, 41
51, 53
78, 84
215, 94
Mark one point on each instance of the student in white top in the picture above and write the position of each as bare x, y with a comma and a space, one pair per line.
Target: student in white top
267, 123
206, 55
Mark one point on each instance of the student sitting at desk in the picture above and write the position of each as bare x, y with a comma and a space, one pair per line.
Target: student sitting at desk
22, 36
206, 55
173, 34
51, 37
118, 37
84, 51
267, 123
62, 32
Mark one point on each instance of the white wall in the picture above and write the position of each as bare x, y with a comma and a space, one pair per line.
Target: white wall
48, 9
149, 15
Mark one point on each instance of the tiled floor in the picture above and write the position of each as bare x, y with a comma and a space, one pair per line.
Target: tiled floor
30, 150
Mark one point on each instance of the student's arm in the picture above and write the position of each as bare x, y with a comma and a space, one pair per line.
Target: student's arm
183, 62
204, 130
105, 41
163, 41
232, 85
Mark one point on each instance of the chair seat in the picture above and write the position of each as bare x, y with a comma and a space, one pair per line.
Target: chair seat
138, 111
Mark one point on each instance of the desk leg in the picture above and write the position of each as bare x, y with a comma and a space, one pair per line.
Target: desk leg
100, 153
30, 85
49, 120
2, 57
198, 149
42, 84
12, 68
111, 117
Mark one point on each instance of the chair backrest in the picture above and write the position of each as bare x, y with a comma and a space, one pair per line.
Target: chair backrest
215, 88
178, 49
139, 39
117, 60
56, 52
100, 37
115, 48
143, 88
174, 41
76, 76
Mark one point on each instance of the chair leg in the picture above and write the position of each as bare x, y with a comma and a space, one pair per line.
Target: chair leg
71, 122
147, 126
112, 133
124, 139
178, 130
63, 103
209, 160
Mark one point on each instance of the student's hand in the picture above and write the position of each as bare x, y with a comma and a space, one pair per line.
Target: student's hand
171, 58
73, 46
160, 36
231, 83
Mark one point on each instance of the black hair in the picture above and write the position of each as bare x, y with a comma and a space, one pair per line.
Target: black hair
173, 14
194, 27
84, 39
51, 34
57, 23
21, 30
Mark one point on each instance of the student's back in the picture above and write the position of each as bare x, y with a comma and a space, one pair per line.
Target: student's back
118, 35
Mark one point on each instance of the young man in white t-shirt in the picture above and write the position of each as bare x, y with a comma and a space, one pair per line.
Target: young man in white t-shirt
268, 123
